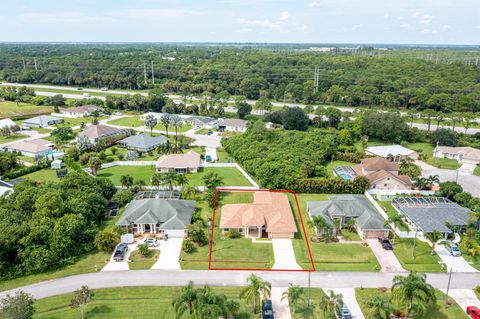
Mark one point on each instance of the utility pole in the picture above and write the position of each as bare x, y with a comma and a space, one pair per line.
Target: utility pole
309, 287
35, 62
315, 79
153, 75
23, 60
448, 286
414, 243
145, 73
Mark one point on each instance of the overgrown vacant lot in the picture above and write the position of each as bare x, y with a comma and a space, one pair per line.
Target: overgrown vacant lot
128, 302
434, 311
231, 176
331, 256
10, 109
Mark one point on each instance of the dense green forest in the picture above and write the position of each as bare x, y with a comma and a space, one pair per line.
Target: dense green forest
405, 78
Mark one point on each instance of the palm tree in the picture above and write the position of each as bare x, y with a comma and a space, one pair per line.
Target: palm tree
126, 181
256, 289
166, 120
321, 226
395, 220
182, 180
184, 302
413, 291
294, 295
329, 303
170, 179
306, 310
94, 164
381, 307
156, 180
176, 122
151, 121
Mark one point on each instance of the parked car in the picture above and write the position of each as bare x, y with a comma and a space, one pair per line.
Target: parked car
104, 88
86, 95
345, 312
452, 248
473, 312
120, 252
209, 133
385, 243
151, 242
267, 309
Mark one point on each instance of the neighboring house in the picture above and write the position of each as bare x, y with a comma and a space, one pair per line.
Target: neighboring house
397, 152
468, 155
158, 216
8, 123
32, 148
368, 222
156, 115
233, 125
142, 142
180, 163
383, 174
199, 122
100, 131
80, 111
42, 121
429, 214
270, 215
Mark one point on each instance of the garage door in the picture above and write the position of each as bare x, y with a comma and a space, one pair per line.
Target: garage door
174, 232
373, 233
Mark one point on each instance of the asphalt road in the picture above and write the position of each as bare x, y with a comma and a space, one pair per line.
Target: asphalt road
234, 278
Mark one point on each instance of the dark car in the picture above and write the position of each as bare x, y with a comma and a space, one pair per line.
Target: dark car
385, 243
345, 312
473, 312
120, 252
267, 310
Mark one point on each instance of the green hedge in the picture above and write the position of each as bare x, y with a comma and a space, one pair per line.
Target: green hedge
25, 170
331, 185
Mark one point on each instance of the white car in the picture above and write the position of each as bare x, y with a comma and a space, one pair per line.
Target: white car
86, 95
151, 242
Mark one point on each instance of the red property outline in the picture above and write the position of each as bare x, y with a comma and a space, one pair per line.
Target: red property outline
257, 269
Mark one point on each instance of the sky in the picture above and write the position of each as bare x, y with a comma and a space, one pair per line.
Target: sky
277, 21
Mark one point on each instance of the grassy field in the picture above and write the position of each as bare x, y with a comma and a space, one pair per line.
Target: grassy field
424, 260
143, 262
128, 302
83, 264
391, 212
171, 129
10, 109
477, 170
11, 138
231, 176
44, 175
133, 121
331, 256
72, 122
433, 311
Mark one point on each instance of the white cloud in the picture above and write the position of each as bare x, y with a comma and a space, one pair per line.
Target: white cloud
282, 24
405, 25
285, 15
447, 28
415, 15
429, 31
155, 13
316, 3
386, 16
357, 26
426, 19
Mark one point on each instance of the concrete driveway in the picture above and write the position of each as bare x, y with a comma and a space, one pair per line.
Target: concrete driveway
349, 299
284, 254
169, 254
463, 297
386, 258
210, 141
120, 265
281, 308
457, 264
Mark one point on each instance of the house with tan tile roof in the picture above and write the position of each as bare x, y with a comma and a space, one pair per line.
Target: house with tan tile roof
464, 154
270, 215
32, 148
80, 111
179, 163
382, 174
100, 131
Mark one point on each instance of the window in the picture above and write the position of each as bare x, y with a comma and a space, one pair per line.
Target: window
225, 229
385, 185
240, 230
388, 178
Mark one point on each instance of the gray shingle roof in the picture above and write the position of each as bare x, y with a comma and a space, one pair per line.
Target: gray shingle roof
351, 206
143, 141
43, 120
169, 214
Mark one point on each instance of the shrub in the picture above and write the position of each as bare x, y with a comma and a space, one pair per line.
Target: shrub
102, 155
331, 185
233, 233
122, 197
131, 155
188, 246
143, 250
353, 157
110, 159
107, 239
120, 156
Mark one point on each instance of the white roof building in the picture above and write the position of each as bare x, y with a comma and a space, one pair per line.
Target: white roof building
6, 123
397, 151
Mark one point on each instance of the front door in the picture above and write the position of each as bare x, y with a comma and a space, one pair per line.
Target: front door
147, 228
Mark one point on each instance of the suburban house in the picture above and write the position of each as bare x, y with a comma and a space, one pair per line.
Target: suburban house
158, 216
232, 125
468, 155
396, 152
142, 142
42, 121
100, 131
156, 115
270, 215
80, 111
368, 222
199, 122
180, 163
429, 214
32, 148
8, 123
382, 174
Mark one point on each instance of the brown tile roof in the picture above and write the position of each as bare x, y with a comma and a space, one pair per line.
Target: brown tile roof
32, 146
96, 131
378, 163
82, 109
372, 177
271, 209
187, 160
468, 153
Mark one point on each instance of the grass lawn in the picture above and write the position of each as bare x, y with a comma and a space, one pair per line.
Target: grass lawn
427, 149
424, 260
129, 302
391, 212
231, 175
10, 109
332, 164
71, 122
143, 262
171, 129
202, 131
316, 295
350, 235
433, 311
133, 121
223, 156
331, 256
41, 130
11, 138
44, 175
477, 170
82, 264
26, 159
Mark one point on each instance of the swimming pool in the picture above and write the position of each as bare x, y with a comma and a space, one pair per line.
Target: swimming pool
54, 155
346, 177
